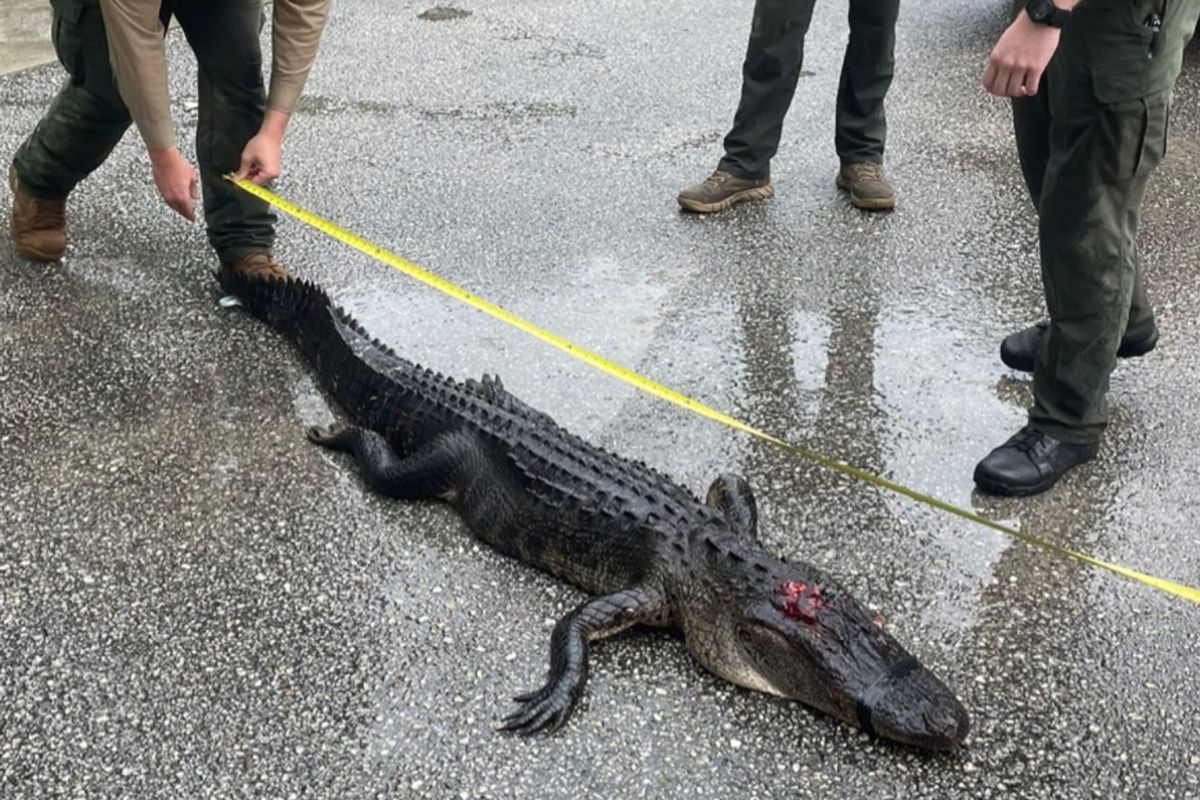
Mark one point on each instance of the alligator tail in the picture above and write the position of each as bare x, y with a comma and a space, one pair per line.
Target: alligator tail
328, 338
287, 304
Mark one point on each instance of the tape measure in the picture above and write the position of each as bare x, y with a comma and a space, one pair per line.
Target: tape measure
670, 395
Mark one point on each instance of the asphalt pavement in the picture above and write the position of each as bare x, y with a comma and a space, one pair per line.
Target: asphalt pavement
197, 603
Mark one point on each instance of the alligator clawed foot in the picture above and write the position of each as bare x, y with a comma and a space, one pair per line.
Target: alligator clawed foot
544, 710
335, 436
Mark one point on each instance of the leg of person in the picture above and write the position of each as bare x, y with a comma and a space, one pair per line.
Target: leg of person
225, 38
1089, 218
774, 56
82, 126
861, 129
1031, 126
1141, 331
1031, 117
1102, 153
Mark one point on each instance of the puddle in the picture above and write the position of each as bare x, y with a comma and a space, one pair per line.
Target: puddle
501, 110
443, 13
701, 140
320, 105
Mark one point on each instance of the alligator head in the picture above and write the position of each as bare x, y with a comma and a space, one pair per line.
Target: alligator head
791, 631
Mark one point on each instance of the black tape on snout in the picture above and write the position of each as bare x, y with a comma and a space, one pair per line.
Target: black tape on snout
864, 709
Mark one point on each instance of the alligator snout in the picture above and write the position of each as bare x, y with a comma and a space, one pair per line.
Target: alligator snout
908, 704
800, 635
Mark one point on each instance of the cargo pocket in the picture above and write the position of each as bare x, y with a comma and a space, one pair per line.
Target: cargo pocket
1128, 56
1132, 136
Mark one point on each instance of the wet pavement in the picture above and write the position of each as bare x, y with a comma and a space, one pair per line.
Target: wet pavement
195, 602
24, 34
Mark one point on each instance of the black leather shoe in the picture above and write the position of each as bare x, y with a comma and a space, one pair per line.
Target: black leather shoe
1029, 463
1017, 349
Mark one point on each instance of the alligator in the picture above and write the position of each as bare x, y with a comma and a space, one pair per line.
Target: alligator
647, 550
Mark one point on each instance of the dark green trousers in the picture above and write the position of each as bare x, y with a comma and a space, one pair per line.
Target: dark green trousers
87, 118
772, 68
1088, 142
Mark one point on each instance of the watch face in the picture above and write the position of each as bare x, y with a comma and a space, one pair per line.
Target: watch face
1039, 10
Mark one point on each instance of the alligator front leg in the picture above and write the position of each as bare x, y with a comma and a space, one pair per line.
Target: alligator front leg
549, 707
427, 472
732, 495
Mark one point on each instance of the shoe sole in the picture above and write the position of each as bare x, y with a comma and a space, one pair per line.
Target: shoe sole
35, 255
872, 203
867, 203
1126, 350
757, 193
1008, 490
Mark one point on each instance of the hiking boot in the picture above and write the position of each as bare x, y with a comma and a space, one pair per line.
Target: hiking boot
39, 225
1029, 463
867, 186
722, 190
1018, 349
259, 266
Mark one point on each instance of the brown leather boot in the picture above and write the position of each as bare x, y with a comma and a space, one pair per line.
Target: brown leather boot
258, 266
722, 190
39, 225
868, 188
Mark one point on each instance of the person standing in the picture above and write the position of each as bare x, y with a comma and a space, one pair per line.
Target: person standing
1092, 83
115, 56
773, 60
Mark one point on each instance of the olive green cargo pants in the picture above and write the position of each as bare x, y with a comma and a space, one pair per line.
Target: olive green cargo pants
772, 68
87, 118
1088, 142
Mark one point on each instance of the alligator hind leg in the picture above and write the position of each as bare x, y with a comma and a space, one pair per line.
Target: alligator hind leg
733, 496
549, 707
426, 472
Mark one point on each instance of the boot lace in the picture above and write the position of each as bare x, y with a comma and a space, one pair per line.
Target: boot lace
1028, 440
717, 178
869, 171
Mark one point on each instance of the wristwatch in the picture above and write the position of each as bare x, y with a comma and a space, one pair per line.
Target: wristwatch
1044, 12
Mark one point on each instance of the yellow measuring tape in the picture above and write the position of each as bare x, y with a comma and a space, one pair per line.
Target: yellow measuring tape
658, 390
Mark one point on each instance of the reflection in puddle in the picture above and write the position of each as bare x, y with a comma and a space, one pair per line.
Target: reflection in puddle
449, 337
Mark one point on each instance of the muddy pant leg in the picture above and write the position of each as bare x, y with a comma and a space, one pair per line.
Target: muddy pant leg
1101, 156
769, 74
86, 119
224, 34
866, 76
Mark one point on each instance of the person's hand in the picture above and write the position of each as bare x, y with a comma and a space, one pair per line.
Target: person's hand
1019, 59
176, 180
262, 157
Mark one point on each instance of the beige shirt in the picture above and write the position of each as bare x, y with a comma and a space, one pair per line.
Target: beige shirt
139, 58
